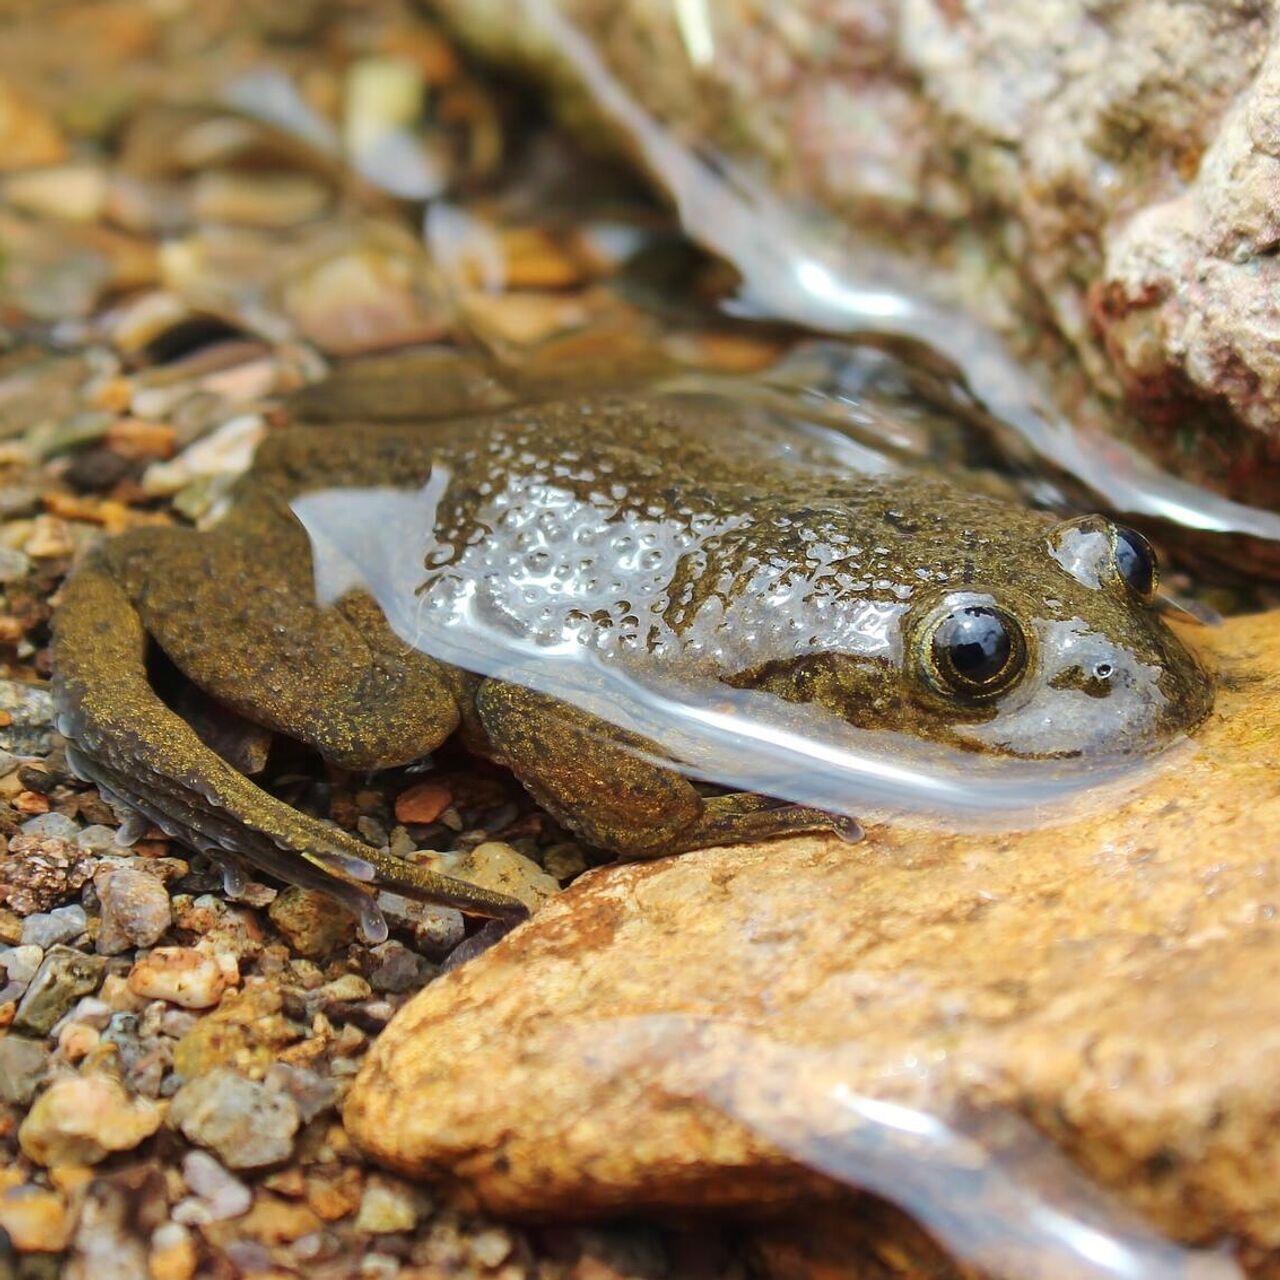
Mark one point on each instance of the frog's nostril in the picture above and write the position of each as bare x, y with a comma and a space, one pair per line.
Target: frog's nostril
1103, 671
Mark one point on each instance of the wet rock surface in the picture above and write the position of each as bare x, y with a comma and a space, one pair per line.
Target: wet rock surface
649, 1033
995, 144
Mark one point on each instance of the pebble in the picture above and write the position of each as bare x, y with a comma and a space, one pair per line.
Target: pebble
173, 1253
436, 930
83, 1119
387, 1205
73, 192
311, 1093
23, 1064
47, 929
8, 763
495, 865
246, 1124
423, 803
181, 975
564, 861
41, 872
21, 963
56, 826
221, 1194
97, 839
14, 564
63, 977
35, 1221
30, 730
311, 922
135, 911
399, 969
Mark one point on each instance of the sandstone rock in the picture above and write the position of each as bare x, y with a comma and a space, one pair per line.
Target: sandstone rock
1116, 174
695, 1031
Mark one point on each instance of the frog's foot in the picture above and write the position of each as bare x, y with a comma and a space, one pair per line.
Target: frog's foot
123, 737
742, 818
602, 782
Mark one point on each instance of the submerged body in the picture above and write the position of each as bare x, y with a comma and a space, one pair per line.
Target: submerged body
652, 531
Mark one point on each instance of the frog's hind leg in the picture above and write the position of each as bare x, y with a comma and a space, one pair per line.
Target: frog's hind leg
123, 737
600, 781
235, 610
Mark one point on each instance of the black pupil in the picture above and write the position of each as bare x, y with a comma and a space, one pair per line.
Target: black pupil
1135, 561
974, 643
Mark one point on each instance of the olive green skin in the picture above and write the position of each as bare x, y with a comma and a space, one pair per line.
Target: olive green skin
773, 572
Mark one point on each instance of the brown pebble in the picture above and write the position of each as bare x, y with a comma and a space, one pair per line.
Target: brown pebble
181, 975
422, 803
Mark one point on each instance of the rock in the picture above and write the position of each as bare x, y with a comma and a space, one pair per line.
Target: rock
311, 922
30, 731
28, 136
173, 1253
40, 872
423, 802
35, 1221
245, 1123
119, 1214
181, 975
83, 1119
135, 912
63, 977
682, 1032
21, 963
247, 1031
23, 1065
992, 146
56, 826
48, 929
388, 1205
222, 1195
495, 865
398, 968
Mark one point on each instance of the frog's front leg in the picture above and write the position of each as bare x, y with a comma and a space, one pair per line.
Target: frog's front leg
122, 736
600, 781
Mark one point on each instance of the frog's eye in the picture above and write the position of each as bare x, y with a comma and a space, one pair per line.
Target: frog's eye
1135, 562
1098, 553
975, 650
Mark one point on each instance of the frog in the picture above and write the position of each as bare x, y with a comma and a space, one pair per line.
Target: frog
655, 531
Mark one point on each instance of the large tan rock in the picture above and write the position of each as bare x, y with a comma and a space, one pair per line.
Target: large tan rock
692, 1031
1114, 170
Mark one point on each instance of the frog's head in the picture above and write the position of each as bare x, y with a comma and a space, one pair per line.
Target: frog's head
1047, 642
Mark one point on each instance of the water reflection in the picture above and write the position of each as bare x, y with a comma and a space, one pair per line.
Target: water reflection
986, 1184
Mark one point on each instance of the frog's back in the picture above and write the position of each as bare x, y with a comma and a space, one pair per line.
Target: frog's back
659, 525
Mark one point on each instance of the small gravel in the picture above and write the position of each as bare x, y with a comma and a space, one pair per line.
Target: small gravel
23, 1064
63, 977
82, 1119
246, 1124
48, 928
135, 909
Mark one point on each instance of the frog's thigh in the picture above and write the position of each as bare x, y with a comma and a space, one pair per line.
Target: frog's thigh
600, 781
243, 625
587, 773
